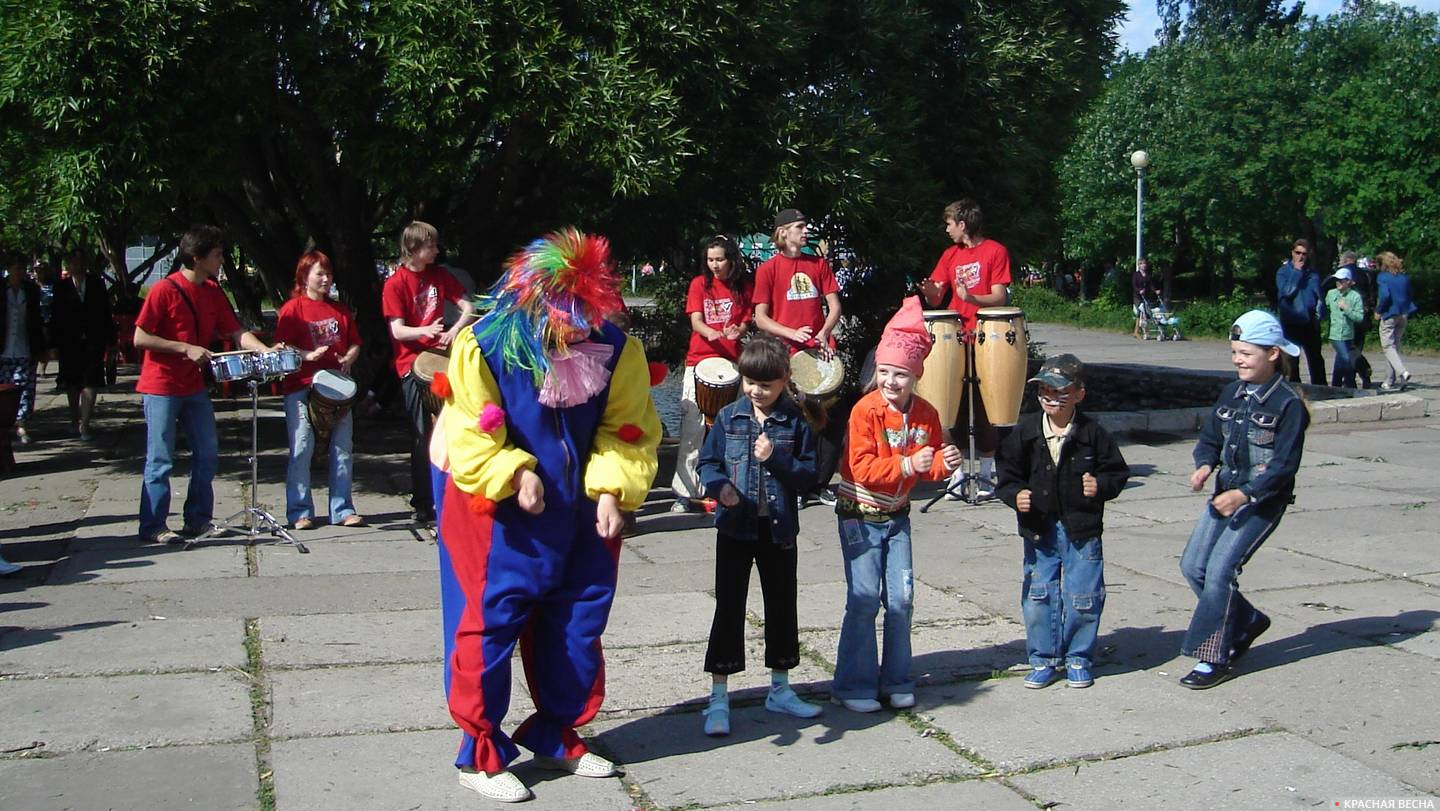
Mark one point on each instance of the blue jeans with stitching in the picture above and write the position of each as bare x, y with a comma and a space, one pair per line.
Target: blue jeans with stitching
299, 502
878, 571
195, 414
1218, 548
1061, 598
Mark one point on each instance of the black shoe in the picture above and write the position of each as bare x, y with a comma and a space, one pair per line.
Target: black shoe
425, 516
826, 496
1196, 680
1252, 632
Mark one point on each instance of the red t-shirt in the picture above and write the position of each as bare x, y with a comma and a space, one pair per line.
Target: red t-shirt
418, 300
979, 269
795, 289
719, 306
165, 315
307, 324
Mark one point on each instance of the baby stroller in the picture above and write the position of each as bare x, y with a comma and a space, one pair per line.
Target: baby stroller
1157, 321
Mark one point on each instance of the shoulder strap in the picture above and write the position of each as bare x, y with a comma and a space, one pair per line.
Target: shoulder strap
195, 314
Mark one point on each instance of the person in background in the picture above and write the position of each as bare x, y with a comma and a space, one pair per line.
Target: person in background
1298, 299
1346, 310
23, 333
1143, 294
1365, 286
1393, 306
82, 308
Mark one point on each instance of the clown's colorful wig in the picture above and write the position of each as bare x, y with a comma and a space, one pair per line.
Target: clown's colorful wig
554, 291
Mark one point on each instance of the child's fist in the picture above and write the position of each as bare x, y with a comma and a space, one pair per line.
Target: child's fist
1198, 478
1022, 501
729, 496
923, 459
952, 456
763, 448
529, 491
1088, 486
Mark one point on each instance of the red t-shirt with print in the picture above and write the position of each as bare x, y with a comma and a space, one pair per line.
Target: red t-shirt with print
719, 306
978, 269
307, 324
795, 288
166, 315
418, 300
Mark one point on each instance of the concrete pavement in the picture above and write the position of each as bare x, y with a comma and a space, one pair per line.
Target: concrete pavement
234, 677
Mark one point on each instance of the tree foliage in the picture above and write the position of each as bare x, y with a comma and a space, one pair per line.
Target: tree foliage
1326, 131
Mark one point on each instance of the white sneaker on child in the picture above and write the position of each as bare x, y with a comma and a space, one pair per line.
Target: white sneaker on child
955, 485
784, 700
902, 701
502, 786
857, 704
587, 765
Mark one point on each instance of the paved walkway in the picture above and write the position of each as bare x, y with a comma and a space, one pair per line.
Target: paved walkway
232, 677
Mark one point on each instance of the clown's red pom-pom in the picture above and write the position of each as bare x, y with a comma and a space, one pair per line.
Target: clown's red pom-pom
491, 417
630, 432
658, 372
481, 505
440, 386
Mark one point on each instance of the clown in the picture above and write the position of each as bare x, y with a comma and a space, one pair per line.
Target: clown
548, 433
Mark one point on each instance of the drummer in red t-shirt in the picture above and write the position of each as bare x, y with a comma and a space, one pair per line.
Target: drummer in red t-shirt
789, 290
975, 271
413, 302
182, 315
719, 308
328, 339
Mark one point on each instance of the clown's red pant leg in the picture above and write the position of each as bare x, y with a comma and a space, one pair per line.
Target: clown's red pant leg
544, 581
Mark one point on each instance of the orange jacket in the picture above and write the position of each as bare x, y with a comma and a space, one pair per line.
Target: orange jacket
875, 472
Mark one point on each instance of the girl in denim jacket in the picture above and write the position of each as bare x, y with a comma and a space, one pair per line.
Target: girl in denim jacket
1255, 437
756, 460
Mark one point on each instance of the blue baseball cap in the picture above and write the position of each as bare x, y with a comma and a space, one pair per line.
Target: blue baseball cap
1262, 329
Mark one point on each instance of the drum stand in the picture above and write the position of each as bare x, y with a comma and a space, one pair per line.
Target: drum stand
251, 522
968, 488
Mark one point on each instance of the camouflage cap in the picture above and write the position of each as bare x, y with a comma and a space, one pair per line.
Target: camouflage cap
1060, 371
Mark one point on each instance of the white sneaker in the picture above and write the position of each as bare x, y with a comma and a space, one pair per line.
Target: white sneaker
902, 701
857, 704
587, 765
954, 486
502, 786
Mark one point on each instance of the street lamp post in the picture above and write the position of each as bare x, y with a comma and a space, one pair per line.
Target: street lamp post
1139, 159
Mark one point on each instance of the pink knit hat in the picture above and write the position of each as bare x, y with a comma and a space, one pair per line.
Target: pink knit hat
905, 342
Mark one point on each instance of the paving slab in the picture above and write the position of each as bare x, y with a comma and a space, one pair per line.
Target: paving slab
371, 637
1382, 551
1258, 771
413, 770
1273, 566
643, 680
69, 714
638, 619
677, 765
124, 564
983, 794
398, 552
213, 778
299, 594
944, 652
1397, 613
363, 699
1122, 713
113, 646
1175, 509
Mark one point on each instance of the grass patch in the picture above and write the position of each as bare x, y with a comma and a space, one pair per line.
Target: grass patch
259, 715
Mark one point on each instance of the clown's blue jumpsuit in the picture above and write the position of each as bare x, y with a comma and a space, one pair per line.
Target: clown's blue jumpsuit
545, 580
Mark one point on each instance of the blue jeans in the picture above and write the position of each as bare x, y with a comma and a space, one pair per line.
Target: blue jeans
298, 501
877, 571
1217, 550
197, 417
1344, 372
1061, 598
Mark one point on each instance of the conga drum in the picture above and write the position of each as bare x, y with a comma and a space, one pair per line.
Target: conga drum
818, 383
944, 378
427, 364
330, 398
717, 382
1000, 361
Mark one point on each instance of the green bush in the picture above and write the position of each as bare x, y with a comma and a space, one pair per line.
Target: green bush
1212, 319
1041, 304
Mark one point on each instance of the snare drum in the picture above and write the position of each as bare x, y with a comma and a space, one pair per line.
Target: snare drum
717, 382
228, 366
277, 363
330, 398
427, 364
1000, 361
944, 378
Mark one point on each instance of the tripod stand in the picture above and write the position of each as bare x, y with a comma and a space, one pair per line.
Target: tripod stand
251, 522
969, 487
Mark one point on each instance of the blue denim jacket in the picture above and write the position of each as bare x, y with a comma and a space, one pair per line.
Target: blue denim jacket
1297, 294
1255, 441
1394, 295
728, 456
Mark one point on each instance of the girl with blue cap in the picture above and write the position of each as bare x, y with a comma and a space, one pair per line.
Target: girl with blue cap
1252, 442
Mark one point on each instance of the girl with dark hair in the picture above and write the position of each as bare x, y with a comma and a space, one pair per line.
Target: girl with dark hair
718, 305
327, 337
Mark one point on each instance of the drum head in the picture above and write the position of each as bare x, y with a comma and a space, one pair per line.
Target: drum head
940, 315
429, 362
998, 313
717, 371
333, 386
814, 376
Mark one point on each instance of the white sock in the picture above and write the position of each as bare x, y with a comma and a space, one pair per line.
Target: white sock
1204, 667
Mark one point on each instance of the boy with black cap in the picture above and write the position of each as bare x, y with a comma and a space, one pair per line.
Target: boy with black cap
1057, 469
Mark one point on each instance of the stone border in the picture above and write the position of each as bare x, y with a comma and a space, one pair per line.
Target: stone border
1379, 408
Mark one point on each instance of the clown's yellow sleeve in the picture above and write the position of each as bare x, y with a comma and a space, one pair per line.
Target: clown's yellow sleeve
482, 462
622, 459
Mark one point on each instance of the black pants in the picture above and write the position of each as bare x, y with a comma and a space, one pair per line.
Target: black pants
1308, 337
733, 558
422, 498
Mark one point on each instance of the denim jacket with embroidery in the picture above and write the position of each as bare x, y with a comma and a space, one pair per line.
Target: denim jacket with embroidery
728, 456
1255, 441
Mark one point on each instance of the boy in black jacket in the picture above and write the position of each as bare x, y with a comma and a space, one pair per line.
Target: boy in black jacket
1057, 469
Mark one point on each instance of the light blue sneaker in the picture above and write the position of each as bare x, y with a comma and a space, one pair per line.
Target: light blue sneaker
717, 719
1042, 677
1078, 675
783, 700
